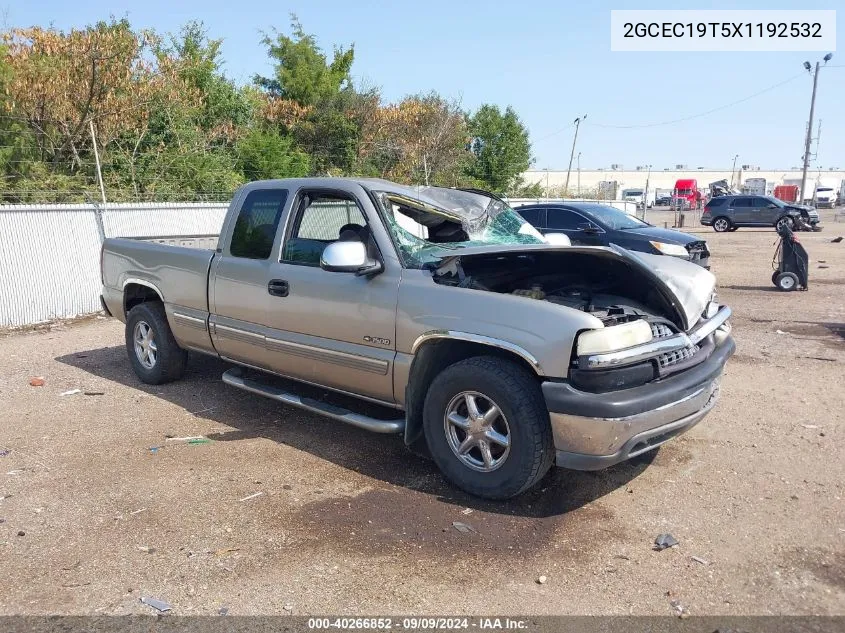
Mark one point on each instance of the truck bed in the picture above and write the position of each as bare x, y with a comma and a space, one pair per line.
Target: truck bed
178, 273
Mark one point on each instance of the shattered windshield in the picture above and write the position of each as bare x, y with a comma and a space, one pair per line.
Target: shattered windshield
435, 222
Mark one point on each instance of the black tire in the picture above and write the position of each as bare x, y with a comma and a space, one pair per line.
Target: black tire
787, 221
517, 394
168, 360
775, 276
787, 281
722, 224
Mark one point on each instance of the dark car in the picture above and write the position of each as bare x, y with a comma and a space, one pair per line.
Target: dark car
663, 201
728, 213
593, 224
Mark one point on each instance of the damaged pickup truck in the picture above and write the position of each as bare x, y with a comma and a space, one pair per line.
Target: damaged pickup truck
500, 352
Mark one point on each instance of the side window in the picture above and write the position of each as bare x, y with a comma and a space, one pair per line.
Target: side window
564, 220
258, 220
716, 202
761, 203
320, 220
533, 216
742, 203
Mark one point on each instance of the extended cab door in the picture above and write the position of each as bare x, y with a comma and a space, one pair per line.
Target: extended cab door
238, 281
331, 328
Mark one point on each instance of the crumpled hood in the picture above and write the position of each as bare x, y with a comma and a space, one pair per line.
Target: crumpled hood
689, 286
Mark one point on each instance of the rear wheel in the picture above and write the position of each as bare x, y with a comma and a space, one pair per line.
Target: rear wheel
155, 355
721, 224
775, 276
487, 427
787, 281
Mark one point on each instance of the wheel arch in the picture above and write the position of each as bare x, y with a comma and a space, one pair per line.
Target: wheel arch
137, 291
435, 351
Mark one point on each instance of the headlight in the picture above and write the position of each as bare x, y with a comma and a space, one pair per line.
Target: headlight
614, 337
670, 249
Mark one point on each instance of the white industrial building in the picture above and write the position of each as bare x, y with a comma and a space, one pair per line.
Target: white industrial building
590, 182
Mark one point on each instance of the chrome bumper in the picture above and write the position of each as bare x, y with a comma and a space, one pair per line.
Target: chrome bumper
585, 443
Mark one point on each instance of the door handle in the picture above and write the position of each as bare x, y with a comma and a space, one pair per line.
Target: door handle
278, 288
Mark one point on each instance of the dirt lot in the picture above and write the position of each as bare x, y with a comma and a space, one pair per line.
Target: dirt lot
94, 517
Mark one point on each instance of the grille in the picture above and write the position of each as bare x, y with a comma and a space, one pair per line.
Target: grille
671, 358
661, 330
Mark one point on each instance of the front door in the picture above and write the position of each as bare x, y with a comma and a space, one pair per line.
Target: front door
329, 328
580, 230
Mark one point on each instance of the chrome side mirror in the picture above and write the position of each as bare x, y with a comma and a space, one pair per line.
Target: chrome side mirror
558, 239
348, 257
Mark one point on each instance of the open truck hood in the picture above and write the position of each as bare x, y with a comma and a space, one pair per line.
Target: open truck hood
686, 286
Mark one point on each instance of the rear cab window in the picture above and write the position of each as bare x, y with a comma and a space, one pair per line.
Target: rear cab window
257, 223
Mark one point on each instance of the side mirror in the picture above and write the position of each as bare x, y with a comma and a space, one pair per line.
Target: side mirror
348, 257
558, 239
772, 205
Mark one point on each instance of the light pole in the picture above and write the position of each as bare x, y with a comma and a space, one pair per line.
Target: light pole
808, 138
572, 153
645, 193
579, 174
733, 169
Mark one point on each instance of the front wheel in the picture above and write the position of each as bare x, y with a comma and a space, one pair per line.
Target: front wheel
720, 225
787, 222
153, 351
487, 427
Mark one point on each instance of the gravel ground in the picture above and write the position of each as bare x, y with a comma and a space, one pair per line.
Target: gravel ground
95, 517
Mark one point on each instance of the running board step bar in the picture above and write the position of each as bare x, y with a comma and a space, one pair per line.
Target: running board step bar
235, 378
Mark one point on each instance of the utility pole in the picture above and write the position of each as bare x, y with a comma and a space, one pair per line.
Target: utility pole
98, 213
572, 153
579, 174
808, 138
733, 169
645, 193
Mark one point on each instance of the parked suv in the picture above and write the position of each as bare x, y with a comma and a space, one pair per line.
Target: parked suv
593, 224
728, 213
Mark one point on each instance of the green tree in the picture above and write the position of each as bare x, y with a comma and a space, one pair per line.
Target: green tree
266, 153
302, 72
501, 147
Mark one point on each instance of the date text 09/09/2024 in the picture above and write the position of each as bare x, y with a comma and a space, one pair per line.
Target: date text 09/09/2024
418, 624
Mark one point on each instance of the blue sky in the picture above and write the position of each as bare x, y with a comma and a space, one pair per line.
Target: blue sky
550, 61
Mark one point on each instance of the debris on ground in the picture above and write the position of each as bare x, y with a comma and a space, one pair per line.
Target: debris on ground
94, 393
700, 560
252, 496
466, 511
223, 611
463, 528
287, 487
781, 332
139, 511
227, 550
72, 392
680, 610
288, 607
36, 381
823, 266
664, 541
187, 440
810, 426
21, 533
541, 580
155, 603
146, 549
5, 451
836, 240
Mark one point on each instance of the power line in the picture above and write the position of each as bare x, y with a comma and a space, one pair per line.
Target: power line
700, 114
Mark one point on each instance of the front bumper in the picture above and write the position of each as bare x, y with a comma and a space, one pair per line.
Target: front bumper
592, 431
